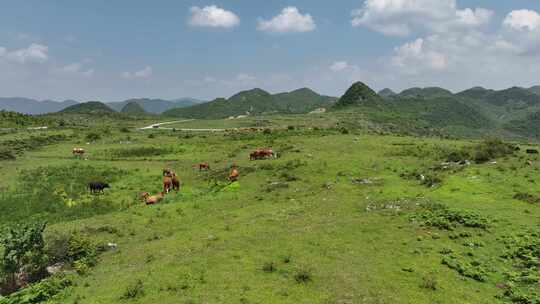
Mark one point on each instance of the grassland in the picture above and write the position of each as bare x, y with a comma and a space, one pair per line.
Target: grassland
346, 214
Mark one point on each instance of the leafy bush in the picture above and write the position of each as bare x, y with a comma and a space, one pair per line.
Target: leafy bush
40, 292
6, 154
23, 258
483, 152
429, 282
526, 197
471, 270
269, 267
303, 276
440, 216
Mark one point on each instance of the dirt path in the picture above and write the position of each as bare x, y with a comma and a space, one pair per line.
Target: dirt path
159, 124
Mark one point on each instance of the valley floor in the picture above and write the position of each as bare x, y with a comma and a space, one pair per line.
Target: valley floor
333, 220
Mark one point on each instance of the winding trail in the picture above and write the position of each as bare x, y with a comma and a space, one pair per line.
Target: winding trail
159, 126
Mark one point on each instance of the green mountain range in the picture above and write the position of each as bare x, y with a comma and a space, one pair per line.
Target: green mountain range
256, 102
514, 111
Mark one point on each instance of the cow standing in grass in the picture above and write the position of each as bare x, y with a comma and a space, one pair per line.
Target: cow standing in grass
234, 174
167, 183
175, 182
98, 187
204, 166
262, 154
78, 152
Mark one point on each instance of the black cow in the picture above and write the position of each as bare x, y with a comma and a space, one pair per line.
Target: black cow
97, 187
532, 151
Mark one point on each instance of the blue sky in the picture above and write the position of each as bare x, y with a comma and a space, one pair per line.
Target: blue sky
112, 50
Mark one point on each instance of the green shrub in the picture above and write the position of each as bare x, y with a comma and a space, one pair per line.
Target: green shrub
133, 291
471, 270
303, 276
429, 282
23, 253
40, 292
439, 216
526, 197
269, 267
492, 149
6, 154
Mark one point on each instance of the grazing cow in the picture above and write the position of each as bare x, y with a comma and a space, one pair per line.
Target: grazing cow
167, 172
154, 199
532, 151
261, 154
233, 175
79, 152
175, 182
97, 187
167, 184
204, 166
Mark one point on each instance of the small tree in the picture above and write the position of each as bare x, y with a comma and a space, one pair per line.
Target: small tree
23, 258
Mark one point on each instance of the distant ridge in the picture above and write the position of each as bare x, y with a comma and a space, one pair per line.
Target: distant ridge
156, 106
387, 93
133, 108
256, 102
429, 92
32, 106
91, 107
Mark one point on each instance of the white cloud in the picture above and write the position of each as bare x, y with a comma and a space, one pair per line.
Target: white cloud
213, 16
522, 20
402, 17
289, 21
416, 56
76, 68
35, 53
144, 73
339, 66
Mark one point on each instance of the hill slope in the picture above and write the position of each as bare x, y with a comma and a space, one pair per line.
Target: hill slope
91, 107
156, 106
358, 94
255, 102
133, 108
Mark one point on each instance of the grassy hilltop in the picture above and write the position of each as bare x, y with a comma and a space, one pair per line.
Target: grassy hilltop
373, 202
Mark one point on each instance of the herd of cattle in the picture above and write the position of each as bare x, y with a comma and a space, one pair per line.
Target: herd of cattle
171, 181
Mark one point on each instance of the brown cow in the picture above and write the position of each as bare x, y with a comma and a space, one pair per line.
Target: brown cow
79, 152
204, 166
175, 182
154, 199
233, 175
167, 184
167, 172
261, 154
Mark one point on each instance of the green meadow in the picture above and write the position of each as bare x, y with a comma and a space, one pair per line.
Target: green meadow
345, 214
